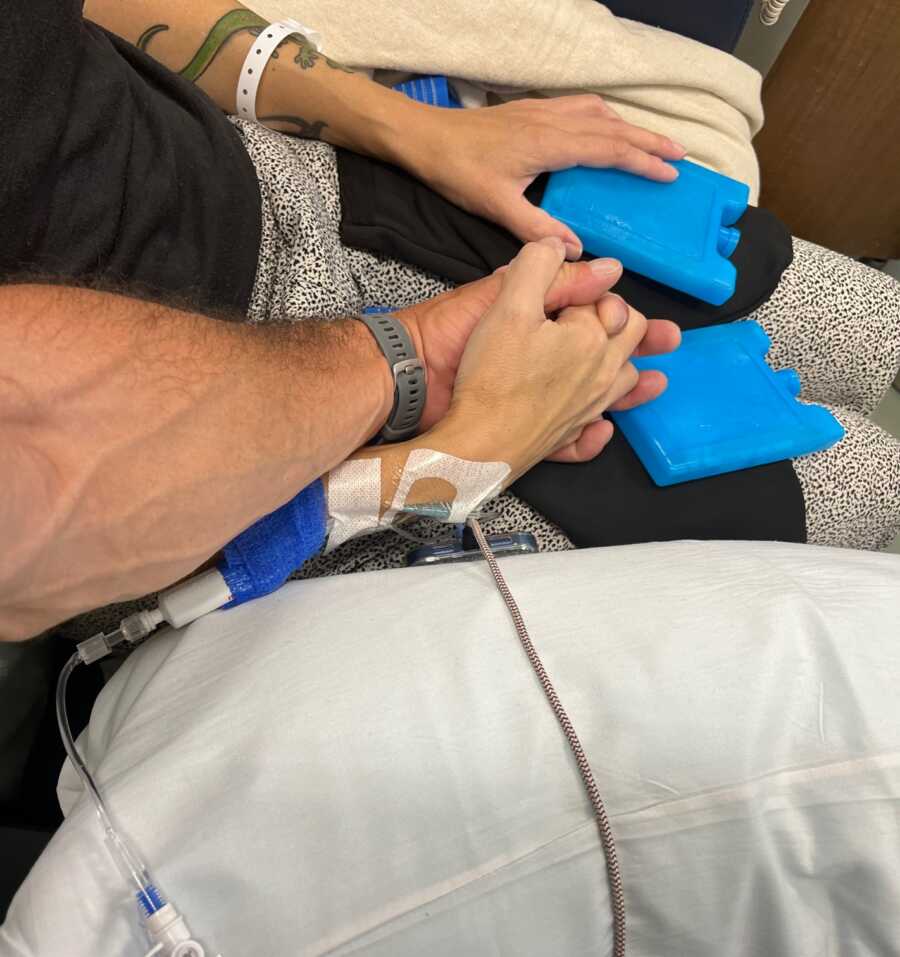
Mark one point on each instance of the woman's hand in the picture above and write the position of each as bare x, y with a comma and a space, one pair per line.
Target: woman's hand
484, 159
440, 328
520, 386
528, 386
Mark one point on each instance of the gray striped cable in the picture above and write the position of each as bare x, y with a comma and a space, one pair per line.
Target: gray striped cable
616, 890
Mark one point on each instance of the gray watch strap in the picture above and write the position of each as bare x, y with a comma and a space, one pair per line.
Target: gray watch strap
408, 371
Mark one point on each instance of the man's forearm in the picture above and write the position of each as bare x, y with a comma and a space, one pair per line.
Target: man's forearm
135, 440
300, 92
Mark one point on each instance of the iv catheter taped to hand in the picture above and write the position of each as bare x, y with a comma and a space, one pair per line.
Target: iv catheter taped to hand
355, 496
262, 558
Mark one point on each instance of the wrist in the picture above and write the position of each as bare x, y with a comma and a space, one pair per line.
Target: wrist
395, 128
359, 114
476, 436
429, 142
408, 374
379, 374
407, 317
391, 128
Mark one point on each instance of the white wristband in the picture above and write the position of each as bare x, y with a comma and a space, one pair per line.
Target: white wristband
258, 56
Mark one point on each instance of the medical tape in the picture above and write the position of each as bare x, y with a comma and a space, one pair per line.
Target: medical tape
354, 500
354, 492
475, 482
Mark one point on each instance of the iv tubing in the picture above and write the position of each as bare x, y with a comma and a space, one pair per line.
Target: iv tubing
148, 896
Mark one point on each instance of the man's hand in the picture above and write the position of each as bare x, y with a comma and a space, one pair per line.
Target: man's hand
524, 386
528, 386
136, 440
484, 159
440, 329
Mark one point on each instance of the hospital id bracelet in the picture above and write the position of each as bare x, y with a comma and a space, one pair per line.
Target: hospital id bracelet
257, 58
408, 372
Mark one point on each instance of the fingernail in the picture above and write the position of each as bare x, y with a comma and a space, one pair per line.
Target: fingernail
603, 268
678, 146
573, 250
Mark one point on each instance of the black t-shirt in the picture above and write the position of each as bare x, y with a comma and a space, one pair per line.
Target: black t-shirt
112, 166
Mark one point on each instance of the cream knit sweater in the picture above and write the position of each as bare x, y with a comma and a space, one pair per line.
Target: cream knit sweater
703, 98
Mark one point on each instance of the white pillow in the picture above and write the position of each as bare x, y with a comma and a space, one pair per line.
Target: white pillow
367, 765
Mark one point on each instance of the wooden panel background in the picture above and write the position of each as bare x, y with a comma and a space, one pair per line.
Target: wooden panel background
830, 147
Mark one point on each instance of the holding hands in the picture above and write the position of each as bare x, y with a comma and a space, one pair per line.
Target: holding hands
512, 384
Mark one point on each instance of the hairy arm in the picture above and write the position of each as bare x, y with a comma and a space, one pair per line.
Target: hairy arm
301, 91
136, 440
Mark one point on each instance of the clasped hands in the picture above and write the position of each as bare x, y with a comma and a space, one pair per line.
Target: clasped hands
526, 361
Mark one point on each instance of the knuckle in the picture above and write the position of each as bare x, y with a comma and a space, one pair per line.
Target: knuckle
529, 253
595, 348
619, 149
639, 321
631, 375
587, 101
604, 379
538, 255
541, 136
518, 305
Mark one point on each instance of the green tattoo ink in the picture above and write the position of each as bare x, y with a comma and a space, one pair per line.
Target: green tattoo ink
335, 65
236, 21
308, 55
149, 34
305, 129
223, 30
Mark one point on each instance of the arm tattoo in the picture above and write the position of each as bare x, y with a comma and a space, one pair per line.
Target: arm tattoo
231, 23
149, 34
305, 129
335, 65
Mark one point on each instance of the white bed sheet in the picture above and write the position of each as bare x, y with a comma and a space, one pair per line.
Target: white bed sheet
366, 765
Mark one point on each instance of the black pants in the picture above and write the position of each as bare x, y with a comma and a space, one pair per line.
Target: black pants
611, 500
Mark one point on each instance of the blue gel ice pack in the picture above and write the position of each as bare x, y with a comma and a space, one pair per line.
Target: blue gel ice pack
724, 409
679, 234
434, 90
